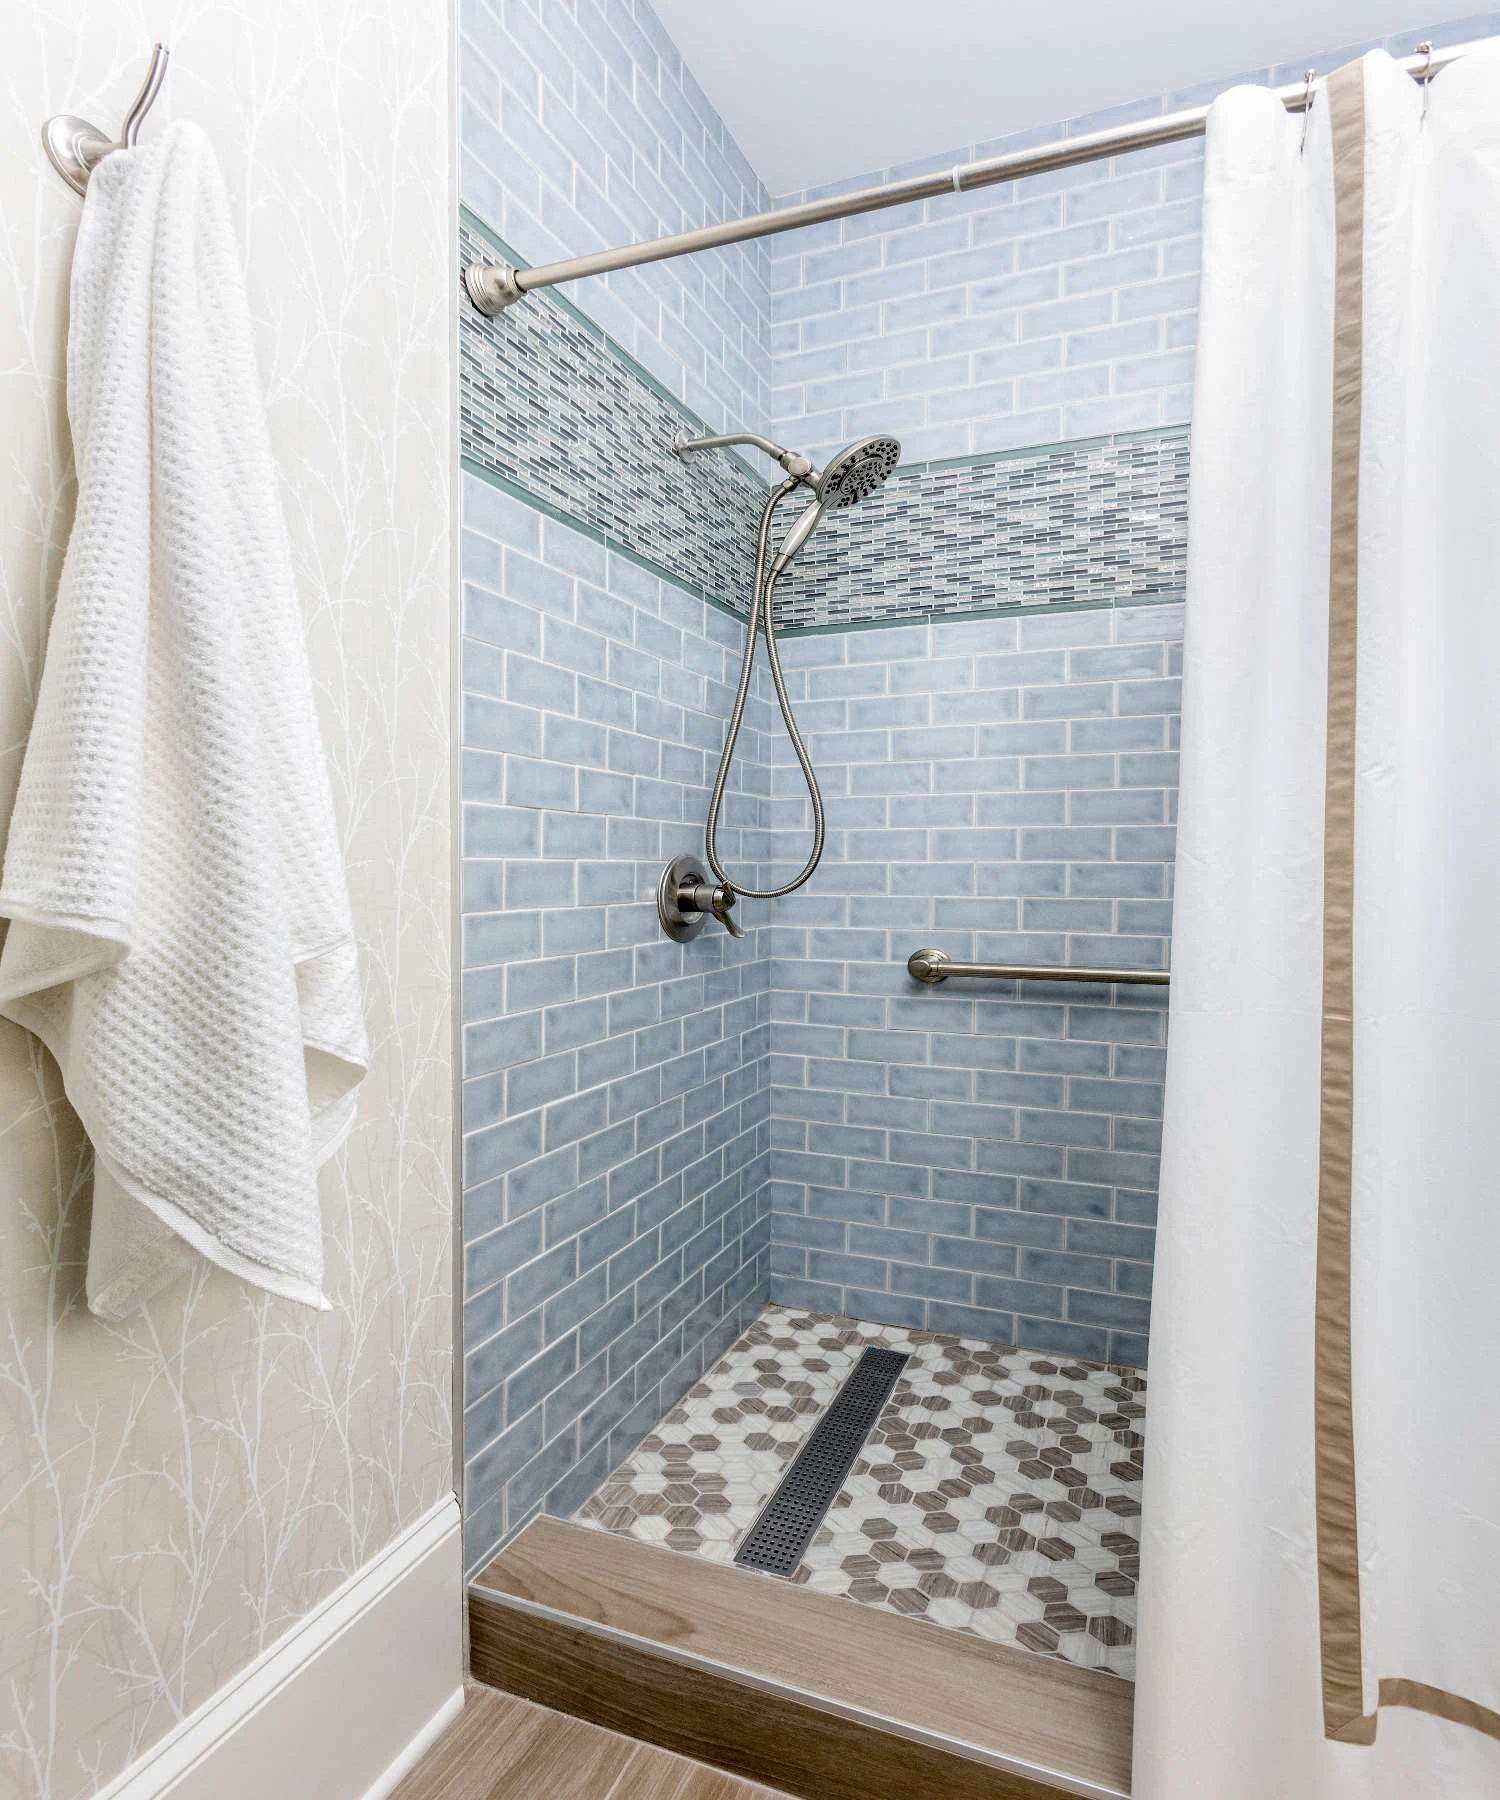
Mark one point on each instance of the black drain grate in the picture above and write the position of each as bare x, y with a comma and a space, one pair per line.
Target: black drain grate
777, 1540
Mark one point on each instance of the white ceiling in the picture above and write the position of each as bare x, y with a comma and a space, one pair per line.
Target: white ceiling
817, 90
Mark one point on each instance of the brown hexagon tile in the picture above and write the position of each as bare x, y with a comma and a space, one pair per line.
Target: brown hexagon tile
1110, 1631
1015, 1538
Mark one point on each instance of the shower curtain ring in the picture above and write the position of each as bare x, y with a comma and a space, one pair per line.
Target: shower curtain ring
1309, 79
1425, 77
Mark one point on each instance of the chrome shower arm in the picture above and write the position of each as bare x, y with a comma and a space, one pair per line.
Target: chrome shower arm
795, 464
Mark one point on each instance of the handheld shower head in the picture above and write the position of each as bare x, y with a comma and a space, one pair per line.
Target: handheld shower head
854, 474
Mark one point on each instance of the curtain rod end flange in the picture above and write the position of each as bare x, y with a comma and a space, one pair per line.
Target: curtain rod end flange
930, 966
492, 287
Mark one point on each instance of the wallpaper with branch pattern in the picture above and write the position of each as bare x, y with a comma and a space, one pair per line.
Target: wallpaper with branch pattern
177, 1489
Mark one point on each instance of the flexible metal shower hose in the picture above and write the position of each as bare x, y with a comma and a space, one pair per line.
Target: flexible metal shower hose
761, 608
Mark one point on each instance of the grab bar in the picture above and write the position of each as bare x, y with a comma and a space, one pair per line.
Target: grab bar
935, 966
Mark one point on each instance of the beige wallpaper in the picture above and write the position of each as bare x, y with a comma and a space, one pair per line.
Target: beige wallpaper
177, 1490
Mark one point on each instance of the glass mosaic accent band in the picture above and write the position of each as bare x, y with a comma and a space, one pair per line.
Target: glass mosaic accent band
566, 418
554, 410
1101, 521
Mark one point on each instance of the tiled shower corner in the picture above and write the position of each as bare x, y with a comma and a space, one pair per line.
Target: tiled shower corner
998, 1493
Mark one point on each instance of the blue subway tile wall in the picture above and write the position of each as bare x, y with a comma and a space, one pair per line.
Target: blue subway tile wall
615, 1104
1057, 307
581, 128
976, 1158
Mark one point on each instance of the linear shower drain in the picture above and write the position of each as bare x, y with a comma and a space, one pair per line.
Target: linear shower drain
776, 1542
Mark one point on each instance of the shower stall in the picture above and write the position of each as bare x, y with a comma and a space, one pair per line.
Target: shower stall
738, 795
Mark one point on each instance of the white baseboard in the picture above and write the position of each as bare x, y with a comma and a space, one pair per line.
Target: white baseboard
402, 1766
344, 1704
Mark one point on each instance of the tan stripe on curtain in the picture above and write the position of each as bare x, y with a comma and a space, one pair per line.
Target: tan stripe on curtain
1338, 1543
1344, 1717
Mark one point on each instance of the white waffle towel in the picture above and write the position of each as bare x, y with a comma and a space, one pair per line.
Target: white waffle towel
180, 935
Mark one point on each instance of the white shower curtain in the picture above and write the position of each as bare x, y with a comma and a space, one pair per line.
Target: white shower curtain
1320, 1584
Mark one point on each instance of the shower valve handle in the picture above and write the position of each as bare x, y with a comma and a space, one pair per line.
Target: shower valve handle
718, 900
723, 909
687, 897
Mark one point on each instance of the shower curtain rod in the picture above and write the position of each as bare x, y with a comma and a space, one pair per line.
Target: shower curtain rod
493, 287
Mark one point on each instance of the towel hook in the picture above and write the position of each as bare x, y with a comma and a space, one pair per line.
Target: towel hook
76, 148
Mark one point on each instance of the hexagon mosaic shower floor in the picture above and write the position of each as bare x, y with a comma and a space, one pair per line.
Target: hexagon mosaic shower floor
999, 1492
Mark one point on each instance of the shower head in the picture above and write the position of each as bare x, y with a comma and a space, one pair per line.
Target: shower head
854, 474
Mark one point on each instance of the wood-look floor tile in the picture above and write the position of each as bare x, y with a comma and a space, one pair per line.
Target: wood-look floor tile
654, 1774
501, 1748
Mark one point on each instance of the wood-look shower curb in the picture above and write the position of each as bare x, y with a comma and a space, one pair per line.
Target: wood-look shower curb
804, 1692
